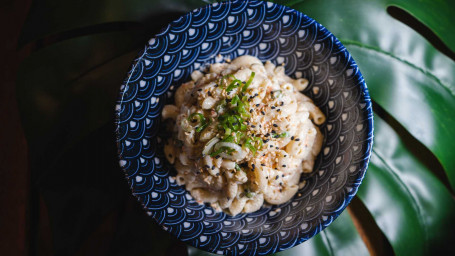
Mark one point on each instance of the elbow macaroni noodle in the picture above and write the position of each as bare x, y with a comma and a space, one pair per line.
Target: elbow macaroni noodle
240, 177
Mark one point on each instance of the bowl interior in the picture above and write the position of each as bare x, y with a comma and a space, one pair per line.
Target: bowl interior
269, 32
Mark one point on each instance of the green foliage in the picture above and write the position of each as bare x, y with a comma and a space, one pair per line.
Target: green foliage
66, 91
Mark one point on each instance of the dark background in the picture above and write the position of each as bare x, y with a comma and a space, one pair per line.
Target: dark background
83, 190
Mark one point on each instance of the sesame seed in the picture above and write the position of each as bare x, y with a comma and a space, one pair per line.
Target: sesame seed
217, 174
281, 104
199, 90
275, 125
297, 139
284, 165
277, 177
267, 177
260, 126
281, 183
262, 112
213, 167
271, 146
273, 131
209, 93
262, 164
267, 135
285, 155
277, 148
281, 190
292, 138
251, 110
218, 156
206, 166
257, 105
216, 85
254, 166
278, 110
282, 175
253, 126
265, 141
273, 107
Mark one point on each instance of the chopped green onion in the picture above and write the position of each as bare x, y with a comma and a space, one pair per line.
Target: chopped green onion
282, 135
221, 106
249, 193
234, 84
248, 82
249, 145
276, 94
229, 138
237, 167
200, 116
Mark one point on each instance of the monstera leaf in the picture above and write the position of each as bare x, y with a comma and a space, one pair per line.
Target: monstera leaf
67, 87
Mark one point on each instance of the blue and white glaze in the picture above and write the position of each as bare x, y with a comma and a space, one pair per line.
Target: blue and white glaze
270, 32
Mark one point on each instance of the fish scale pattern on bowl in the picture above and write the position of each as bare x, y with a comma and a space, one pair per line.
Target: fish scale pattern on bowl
270, 32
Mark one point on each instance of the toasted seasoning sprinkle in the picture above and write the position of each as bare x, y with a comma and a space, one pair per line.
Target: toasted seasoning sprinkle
262, 112
257, 105
262, 164
251, 110
281, 104
284, 165
278, 110
275, 125
297, 139
292, 138
273, 107
277, 177
199, 90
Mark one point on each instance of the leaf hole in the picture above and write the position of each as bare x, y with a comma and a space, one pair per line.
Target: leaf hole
369, 231
419, 150
408, 19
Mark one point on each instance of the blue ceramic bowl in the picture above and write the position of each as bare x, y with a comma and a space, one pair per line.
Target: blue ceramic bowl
269, 32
